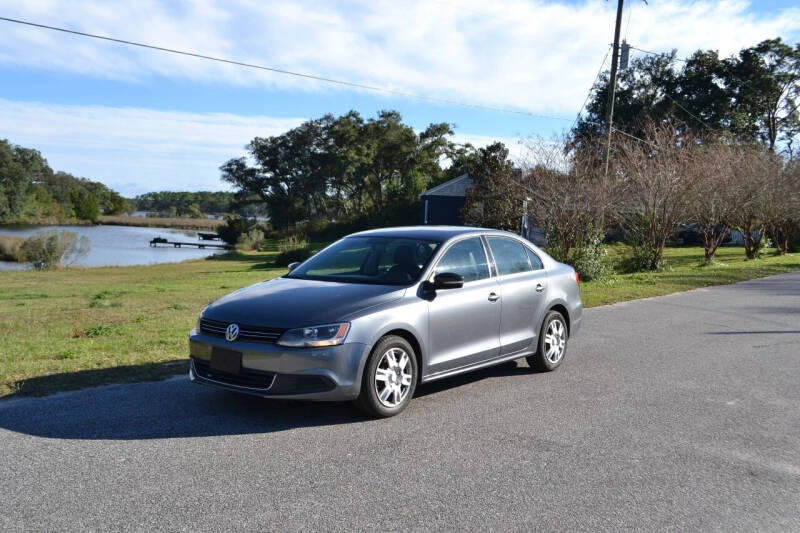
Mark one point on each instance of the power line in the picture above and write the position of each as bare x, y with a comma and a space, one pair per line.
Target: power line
589, 94
672, 58
626, 134
315, 77
698, 119
289, 72
662, 54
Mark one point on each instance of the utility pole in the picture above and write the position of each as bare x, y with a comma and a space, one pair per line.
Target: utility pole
613, 83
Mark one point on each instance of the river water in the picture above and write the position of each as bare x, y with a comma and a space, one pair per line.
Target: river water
121, 245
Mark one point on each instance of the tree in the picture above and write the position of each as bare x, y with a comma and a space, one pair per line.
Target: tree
750, 97
784, 215
85, 205
753, 173
342, 167
495, 198
764, 81
565, 188
14, 183
658, 185
714, 202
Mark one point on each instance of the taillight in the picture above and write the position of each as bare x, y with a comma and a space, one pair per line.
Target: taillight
577, 278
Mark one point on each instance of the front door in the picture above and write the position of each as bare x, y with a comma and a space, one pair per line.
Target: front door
464, 323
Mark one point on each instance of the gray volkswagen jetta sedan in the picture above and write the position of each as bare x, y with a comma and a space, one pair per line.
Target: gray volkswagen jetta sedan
378, 312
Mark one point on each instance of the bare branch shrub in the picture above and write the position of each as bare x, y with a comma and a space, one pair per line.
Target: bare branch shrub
658, 189
784, 219
713, 203
53, 248
570, 202
754, 175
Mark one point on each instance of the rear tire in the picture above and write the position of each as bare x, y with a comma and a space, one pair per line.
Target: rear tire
390, 378
553, 339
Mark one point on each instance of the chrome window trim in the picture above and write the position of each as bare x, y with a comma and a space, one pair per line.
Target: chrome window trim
524, 246
434, 264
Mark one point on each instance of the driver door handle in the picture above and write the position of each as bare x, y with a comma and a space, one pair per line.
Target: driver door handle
493, 297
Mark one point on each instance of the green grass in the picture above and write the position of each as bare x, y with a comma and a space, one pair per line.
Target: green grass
684, 270
73, 328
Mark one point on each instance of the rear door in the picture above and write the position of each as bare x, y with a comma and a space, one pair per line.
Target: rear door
464, 324
522, 293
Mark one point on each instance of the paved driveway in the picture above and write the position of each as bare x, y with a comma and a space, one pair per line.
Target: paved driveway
680, 412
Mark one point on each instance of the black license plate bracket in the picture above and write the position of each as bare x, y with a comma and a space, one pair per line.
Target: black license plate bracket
224, 360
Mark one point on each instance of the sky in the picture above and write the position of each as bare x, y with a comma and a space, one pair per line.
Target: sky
141, 120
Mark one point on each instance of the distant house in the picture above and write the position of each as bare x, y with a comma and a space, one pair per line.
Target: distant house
442, 204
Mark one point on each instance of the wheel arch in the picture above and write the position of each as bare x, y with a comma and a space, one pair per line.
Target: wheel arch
561, 308
411, 339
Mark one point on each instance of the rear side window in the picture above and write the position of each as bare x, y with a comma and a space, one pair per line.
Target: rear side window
465, 258
536, 263
509, 255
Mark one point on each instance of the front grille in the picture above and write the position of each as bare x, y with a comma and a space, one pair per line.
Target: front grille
246, 333
253, 379
300, 384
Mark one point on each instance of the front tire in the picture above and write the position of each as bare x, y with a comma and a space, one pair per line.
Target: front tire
552, 343
390, 378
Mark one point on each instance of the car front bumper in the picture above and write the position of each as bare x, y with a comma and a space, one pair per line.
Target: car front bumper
271, 371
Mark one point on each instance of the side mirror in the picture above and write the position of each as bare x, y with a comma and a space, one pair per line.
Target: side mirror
294, 265
445, 280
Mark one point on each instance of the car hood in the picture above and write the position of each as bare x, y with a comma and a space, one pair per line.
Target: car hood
292, 303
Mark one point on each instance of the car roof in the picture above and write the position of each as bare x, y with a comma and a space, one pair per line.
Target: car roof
434, 233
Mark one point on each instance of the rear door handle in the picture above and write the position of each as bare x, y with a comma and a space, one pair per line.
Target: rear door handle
539, 287
493, 297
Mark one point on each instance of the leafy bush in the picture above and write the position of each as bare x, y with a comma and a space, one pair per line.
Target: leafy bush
52, 248
252, 240
644, 258
292, 242
645, 241
9, 248
290, 256
794, 243
591, 261
234, 228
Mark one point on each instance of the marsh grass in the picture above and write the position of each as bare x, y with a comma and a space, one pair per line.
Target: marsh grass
207, 224
10, 248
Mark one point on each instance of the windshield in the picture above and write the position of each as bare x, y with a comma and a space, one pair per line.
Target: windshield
378, 260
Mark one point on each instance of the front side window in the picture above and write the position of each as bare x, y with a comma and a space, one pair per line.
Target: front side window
465, 258
509, 255
376, 260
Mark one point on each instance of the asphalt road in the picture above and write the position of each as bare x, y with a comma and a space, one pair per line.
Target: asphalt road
680, 412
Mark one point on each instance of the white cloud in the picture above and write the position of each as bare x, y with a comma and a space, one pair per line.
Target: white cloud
137, 150
528, 54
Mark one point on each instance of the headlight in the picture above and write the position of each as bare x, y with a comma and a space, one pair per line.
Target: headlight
327, 335
197, 324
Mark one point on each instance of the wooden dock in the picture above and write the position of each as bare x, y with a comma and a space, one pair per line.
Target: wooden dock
177, 244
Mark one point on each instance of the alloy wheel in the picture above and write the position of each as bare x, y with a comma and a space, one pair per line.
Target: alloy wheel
555, 340
393, 377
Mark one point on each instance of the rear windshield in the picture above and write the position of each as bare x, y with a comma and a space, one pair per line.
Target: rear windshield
376, 260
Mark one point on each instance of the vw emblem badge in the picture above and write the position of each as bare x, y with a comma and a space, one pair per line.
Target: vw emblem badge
232, 332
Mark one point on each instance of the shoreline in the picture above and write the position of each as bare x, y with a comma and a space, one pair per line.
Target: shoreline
198, 224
